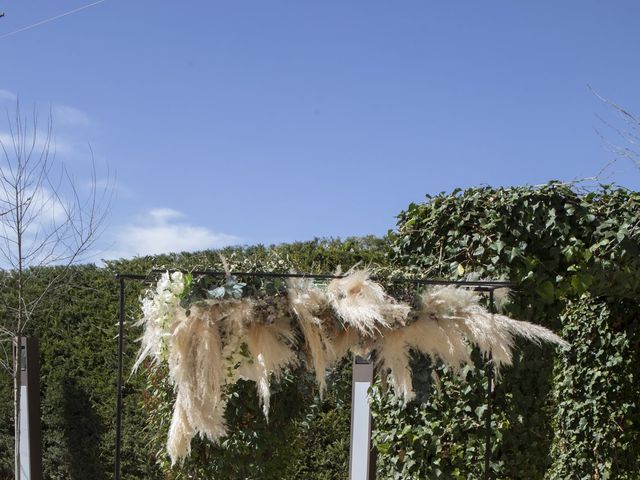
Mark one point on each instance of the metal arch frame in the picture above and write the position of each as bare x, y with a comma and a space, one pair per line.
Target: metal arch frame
488, 286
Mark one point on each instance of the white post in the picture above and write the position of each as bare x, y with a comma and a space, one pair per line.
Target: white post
25, 471
30, 434
360, 465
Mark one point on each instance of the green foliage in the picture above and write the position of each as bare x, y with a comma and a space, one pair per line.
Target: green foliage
306, 437
575, 255
418, 442
252, 449
77, 328
557, 244
596, 390
551, 239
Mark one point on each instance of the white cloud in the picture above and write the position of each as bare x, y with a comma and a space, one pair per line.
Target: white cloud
108, 186
69, 116
56, 145
44, 213
164, 215
6, 95
165, 230
6, 140
70, 128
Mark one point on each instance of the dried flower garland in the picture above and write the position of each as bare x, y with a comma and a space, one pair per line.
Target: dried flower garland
212, 338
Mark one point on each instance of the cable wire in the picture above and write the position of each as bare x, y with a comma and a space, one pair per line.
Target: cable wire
51, 19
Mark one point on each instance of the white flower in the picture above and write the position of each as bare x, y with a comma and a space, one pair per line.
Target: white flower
163, 282
177, 283
158, 309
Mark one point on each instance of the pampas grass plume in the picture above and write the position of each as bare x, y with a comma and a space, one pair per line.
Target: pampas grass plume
363, 304
206, 348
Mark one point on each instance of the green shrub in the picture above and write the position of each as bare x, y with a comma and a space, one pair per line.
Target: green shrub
576, 257
77, 328
557, 244
596, 391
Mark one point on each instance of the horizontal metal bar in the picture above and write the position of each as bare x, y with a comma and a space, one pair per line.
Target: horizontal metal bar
479, 285
131, 276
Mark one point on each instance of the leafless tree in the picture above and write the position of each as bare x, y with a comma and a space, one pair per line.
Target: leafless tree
625, 126
47, 219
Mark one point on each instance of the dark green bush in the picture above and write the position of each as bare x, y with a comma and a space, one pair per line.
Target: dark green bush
576, 257
77, 328
557, 244
596, 391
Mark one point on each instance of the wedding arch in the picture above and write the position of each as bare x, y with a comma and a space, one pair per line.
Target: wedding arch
212, 337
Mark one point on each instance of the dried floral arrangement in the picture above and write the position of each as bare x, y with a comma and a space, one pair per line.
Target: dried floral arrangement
210, 338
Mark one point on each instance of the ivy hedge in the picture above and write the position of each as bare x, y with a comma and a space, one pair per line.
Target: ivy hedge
596, 392
576, 258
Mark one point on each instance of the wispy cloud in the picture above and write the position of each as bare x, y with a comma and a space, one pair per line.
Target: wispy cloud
69, 116
56, 145
165, 230
69, 126
110, 184
62, 115
6, 95
44, 212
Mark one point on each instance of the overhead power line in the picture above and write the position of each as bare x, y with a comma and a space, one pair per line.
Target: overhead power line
51, 19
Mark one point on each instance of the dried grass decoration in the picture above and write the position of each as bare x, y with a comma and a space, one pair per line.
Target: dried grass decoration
210, 339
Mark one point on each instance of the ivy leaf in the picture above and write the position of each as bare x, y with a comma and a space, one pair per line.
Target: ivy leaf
546, 290
581, 282
498, 246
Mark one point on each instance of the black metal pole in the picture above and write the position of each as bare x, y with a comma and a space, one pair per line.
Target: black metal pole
119, 388
481, 285
487, 420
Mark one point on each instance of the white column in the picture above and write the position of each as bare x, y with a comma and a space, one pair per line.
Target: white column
360, 467
29, 418
25, 457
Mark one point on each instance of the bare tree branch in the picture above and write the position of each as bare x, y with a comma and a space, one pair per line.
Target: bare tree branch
626, 128
45, 221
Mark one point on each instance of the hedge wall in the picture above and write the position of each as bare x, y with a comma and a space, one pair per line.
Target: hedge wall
77, 328
576, 256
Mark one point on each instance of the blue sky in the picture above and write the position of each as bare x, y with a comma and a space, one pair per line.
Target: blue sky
272, 121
